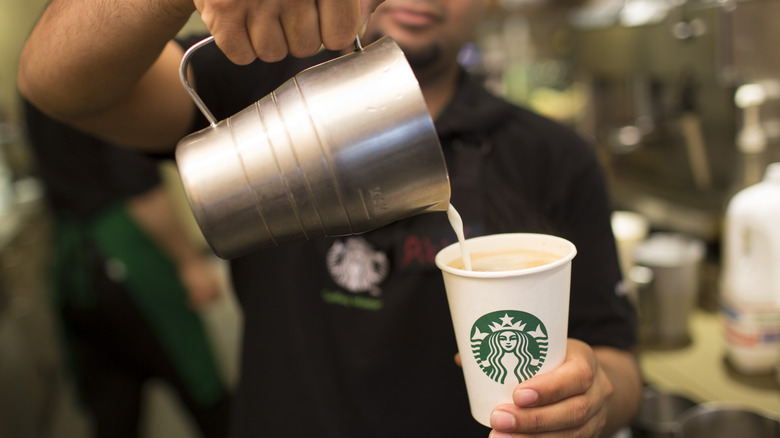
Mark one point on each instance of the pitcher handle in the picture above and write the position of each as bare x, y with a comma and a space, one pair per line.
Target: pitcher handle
185, 61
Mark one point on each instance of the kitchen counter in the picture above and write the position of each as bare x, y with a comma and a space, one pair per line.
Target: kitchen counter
700, 371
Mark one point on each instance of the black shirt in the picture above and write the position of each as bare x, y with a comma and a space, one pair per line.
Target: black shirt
82, 174
327, 353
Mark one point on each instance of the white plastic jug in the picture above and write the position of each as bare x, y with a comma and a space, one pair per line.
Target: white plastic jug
750, 282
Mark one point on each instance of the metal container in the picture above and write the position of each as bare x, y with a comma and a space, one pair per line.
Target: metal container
667, 275
726, 420
659, 413
342, 148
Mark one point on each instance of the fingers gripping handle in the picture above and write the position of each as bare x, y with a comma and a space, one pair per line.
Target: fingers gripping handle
191, 91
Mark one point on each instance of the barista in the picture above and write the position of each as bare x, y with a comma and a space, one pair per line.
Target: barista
311, 364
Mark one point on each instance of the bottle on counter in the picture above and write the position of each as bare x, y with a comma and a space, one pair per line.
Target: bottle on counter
750, 282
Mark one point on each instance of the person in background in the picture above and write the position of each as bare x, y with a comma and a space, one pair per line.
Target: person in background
127, 282
314, 361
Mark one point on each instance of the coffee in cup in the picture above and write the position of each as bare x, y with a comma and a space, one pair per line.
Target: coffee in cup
507, 260
510, 312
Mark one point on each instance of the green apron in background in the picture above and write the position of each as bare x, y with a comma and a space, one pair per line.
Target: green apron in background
152, 281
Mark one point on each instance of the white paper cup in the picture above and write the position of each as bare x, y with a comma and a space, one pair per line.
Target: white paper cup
509, 325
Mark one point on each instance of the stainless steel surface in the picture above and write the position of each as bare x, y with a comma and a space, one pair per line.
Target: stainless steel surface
185, 62
342, 148
662, 106
724, 420
667, 276
659, 413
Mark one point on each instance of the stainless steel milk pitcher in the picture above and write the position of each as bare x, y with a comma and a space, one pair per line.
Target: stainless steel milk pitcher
342, 148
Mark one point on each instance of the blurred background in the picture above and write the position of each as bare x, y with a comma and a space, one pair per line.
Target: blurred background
680, 98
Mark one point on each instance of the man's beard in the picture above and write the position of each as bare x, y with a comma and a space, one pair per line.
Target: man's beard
422, 60
419, 59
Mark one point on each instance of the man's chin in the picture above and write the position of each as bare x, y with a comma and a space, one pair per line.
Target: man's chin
422, 59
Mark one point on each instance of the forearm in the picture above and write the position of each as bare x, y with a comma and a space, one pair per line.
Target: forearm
107, 67
622, 370
154, 213
91, 63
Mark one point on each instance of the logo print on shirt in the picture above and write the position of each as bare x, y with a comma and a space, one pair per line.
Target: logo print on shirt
356, 266
509, 343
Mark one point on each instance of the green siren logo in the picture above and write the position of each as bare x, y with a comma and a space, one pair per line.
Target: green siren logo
509, 343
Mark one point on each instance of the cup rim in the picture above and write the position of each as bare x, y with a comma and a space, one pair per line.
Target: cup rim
441, 264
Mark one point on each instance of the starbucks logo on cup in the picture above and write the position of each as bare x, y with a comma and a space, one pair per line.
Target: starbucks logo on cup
509, 344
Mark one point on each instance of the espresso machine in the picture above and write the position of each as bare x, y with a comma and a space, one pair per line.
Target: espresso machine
683, 102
